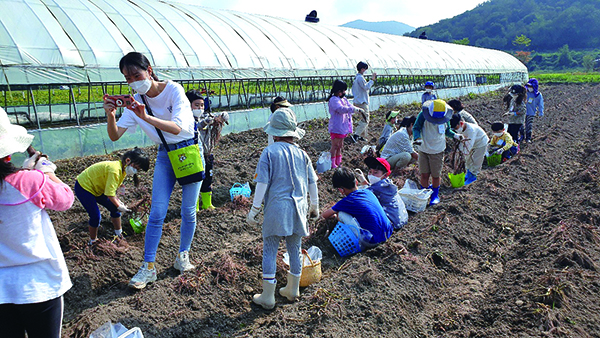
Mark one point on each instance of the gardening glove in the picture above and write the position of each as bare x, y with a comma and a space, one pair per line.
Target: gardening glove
499, 151
30, 162
44, 165
459, 137
360, 176
123, 208
313, 212
251, 218
417, 142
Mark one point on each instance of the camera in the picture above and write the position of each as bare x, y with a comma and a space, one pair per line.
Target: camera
122, 100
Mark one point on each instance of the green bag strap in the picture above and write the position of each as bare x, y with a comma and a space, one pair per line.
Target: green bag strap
160, 134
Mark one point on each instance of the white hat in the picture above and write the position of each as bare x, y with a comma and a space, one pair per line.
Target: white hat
13, 138
283, 124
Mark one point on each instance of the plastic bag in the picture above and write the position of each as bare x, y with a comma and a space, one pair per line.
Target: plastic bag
402, 213
313, 252
324, 162
110, 330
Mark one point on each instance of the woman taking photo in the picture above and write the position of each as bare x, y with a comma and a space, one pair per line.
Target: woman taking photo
159, 105
33, 272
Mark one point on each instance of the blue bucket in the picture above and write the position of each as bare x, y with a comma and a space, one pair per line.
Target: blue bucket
344, 240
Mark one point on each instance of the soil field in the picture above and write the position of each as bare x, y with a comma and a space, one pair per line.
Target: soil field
515, 254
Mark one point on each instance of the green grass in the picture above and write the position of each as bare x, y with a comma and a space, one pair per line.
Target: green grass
573, 77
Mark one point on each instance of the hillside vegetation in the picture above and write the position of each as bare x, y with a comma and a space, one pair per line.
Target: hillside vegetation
550, 24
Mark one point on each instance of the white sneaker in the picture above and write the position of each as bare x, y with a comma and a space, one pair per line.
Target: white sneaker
182, 262
143, 277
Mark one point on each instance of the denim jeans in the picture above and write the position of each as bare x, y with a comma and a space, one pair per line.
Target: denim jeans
162, 187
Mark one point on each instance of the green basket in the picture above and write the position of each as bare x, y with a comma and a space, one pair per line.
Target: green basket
457, 180
137, 225
494, 160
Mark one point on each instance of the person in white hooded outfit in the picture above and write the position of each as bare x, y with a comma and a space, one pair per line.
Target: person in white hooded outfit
474, 146
284, 177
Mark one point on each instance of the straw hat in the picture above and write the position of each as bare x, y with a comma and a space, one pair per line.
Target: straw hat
283, 124
13, 138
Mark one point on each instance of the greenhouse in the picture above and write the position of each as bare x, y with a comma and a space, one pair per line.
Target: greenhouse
59, 57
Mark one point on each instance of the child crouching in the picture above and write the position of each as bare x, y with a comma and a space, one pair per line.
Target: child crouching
502, 143
359, 207
384, 189
284, 176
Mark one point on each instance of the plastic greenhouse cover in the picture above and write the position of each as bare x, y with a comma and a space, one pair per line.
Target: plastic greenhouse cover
83, 40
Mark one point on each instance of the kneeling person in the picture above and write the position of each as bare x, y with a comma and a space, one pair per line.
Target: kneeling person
385, 190
360, 205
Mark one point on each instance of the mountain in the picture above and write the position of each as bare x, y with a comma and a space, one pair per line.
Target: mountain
550, 24
388, 27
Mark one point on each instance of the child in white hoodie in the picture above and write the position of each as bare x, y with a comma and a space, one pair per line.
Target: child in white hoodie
473, 146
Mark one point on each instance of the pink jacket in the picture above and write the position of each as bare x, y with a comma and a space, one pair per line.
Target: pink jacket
32, 266
341, 111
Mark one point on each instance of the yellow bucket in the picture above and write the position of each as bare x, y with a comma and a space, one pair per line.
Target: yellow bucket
457, 180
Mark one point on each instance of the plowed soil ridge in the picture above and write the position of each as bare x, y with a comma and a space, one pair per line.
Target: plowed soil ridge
514, 254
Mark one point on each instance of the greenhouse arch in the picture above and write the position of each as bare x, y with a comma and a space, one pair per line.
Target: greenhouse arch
58, 57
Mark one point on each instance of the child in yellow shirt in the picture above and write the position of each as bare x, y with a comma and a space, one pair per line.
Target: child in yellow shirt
502, 143
98, 184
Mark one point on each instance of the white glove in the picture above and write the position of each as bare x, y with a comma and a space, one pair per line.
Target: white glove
251, 218
360, 176
313, 212
459, 137
499, 151
123, 208
417, 142
44, 165
29, 162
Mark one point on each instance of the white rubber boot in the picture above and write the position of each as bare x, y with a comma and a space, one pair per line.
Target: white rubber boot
267, 298
292, 290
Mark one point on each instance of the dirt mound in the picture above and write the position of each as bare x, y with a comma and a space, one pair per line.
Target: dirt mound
514, 254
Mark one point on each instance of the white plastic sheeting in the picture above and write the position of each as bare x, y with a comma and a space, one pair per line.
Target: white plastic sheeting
69, 41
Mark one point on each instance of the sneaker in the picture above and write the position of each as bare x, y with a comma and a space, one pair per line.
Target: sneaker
143, 277
182, 262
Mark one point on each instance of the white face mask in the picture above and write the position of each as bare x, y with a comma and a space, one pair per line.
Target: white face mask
373, 179
498, 134
198, 112
142, 86
530, 89
129, 170
428, 90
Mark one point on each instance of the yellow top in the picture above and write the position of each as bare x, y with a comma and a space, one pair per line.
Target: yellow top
505, 141
102, 178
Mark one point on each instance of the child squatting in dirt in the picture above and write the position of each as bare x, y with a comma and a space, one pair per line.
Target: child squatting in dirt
384, 189
359, 208
284, 176
98, 184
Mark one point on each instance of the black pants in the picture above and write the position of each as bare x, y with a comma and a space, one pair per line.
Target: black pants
513, 130
208, 173
39, 320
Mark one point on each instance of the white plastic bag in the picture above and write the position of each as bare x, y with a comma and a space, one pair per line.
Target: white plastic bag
110, 330
402, 213
313, 252
324, 162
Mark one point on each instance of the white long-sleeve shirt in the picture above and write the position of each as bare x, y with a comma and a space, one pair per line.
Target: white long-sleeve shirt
361, 88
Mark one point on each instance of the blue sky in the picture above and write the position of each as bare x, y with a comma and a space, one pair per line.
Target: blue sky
337, 12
